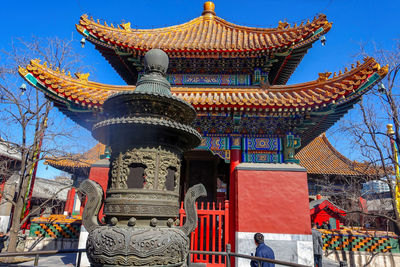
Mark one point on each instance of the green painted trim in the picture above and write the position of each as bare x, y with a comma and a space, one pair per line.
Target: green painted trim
330, 111
86, 33
372, 79
292, 161
318, 31
77, 108
35, 83
121, 53
283, 54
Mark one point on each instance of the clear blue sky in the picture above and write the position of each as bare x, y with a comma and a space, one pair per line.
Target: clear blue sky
354, 21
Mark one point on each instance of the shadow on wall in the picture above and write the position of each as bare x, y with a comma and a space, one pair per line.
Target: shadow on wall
49, 243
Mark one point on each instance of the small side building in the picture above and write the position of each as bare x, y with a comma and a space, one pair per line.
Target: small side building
324, 213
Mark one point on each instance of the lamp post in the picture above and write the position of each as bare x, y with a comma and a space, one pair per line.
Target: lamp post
390, 132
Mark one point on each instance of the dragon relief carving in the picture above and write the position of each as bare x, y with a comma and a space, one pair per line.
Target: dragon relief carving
168, 160
149, 159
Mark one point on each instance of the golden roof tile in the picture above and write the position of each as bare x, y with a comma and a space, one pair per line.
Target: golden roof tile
320, 157
91, 95
84, 160
207, 33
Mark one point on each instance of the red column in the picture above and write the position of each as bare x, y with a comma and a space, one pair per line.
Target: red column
2, 187
235, 160
69, 204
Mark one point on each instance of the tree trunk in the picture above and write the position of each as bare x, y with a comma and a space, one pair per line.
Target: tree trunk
15, 226
16, 220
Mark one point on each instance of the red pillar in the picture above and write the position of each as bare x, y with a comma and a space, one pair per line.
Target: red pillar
235, 160
69, 204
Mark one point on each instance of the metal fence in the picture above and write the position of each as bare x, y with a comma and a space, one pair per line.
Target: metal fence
211, 233
228, 255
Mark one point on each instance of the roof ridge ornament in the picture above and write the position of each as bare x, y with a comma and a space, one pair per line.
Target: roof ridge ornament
83, 77
323, 76
126, 26
283, 25
209, 9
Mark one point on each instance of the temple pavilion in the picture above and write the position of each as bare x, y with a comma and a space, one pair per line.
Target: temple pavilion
236, 79
234, 76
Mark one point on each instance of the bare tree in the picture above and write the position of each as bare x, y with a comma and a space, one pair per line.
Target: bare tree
30, 126
368, 133
347, 193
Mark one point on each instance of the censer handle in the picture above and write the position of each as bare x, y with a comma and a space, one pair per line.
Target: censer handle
192, 194
94, 194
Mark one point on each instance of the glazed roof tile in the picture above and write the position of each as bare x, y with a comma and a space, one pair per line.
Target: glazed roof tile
320, 157
84, 160
207, 33
82, 93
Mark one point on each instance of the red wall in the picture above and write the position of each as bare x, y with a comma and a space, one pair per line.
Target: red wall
272, 201
323, 216
100, 175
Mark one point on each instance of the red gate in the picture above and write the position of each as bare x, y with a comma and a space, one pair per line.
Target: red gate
212, 232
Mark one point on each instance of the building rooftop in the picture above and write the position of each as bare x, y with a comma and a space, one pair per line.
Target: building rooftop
77, 161
207, 33
322, 101
320, 157
207, 36
46, 188
10, 151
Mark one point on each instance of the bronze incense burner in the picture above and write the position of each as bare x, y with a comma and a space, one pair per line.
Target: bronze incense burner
147, 130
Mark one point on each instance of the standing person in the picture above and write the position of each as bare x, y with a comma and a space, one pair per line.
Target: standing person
262, 251
317, 246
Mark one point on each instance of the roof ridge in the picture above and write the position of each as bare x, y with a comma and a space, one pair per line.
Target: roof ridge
282, 26
222, 39
336, 152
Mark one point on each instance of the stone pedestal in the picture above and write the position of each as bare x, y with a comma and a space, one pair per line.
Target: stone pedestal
273, 199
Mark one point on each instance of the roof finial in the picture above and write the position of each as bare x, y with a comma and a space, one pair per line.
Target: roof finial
209, 8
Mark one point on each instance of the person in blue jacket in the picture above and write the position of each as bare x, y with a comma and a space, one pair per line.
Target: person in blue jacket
262, 251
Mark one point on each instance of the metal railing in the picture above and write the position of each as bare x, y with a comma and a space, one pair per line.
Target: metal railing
227, 254
37, 254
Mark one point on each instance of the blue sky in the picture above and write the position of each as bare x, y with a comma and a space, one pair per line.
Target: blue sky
354, 22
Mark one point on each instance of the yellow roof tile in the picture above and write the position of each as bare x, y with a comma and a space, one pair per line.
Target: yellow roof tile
320, 157
84, 93
207, 33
